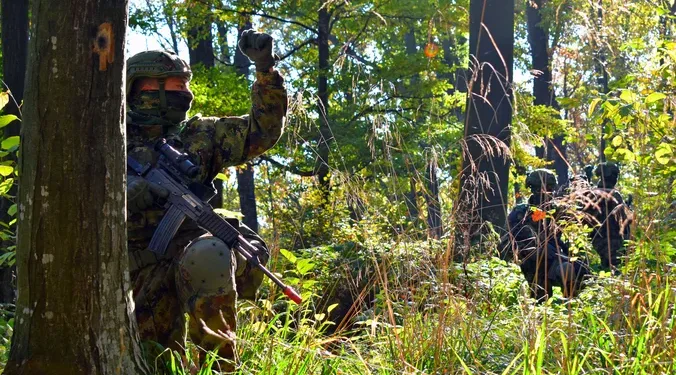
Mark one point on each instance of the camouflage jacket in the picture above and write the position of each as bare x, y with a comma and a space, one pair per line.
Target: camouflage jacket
527, 234
212, 144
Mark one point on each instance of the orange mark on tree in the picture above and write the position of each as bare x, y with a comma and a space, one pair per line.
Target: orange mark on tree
431, 50
103, 46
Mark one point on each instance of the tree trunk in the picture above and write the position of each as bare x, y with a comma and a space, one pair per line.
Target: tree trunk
74, 309
434, 224
247, 196
14, 52
489, 113
201, 51
538, 38
322, 164
245, 176
224, 51
200, 47
412, 202
602, 76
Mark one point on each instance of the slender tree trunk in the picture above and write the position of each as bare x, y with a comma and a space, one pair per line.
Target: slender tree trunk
431, 190
245, 176
322, 165
538, 37
224, 51
489, 113
74, 309
602, 74
434, 224
200, 45
201, 52
171, 24
14, 53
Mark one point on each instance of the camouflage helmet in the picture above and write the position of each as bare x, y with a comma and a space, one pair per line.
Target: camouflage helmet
541, 179
156, 64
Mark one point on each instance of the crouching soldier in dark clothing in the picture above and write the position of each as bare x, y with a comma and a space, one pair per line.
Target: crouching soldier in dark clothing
534, 242
199, 275
607, 214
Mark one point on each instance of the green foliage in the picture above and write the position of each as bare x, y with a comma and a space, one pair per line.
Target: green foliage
220, 92
8, 175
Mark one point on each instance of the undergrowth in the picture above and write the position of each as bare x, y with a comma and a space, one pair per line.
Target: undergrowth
479, 320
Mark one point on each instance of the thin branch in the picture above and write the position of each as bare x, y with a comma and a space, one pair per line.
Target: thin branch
296, 48
289, 168
265, 15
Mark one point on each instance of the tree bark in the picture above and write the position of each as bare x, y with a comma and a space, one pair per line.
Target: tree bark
200, 45
245, 176
14, 53
489, 113
543, 92
322, 164
74, 309
434, 223
224, 51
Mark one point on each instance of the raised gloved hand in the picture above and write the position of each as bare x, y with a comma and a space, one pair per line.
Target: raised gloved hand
258, 48
141, 194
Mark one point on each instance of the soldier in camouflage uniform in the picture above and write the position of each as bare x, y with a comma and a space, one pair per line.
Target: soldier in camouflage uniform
606, 212
534, 242
199, 275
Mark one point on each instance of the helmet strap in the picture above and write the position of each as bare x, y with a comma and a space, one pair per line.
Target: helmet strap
163, 97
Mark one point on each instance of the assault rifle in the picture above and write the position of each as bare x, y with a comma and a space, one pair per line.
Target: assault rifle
189, 199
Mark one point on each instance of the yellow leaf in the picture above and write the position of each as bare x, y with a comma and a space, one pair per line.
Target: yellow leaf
617, 141
4, 99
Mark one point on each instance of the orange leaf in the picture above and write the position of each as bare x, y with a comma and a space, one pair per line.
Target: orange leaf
538, 215
431, 50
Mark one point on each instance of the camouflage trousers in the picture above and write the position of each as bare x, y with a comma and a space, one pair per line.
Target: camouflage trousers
163, 297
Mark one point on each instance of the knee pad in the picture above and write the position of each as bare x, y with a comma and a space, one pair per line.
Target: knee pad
206, 268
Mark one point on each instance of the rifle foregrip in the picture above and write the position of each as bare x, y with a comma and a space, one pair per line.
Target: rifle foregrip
220, 228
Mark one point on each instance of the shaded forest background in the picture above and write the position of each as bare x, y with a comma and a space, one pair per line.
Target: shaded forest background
361, 199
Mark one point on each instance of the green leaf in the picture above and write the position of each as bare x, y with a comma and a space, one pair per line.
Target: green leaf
10, 142
654, 97
592, 107
663, 153
624, 154
11, 211
330, 308
221, 176
6, 185
304, 266
7, 257
6, 119
628, 96
617, 141
6, 170
288, 255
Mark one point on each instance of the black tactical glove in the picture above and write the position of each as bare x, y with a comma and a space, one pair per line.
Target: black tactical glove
141, 194
258, 48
